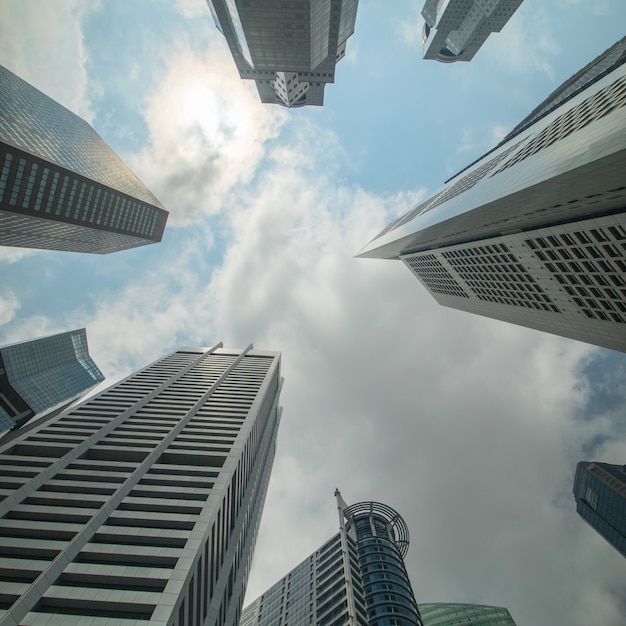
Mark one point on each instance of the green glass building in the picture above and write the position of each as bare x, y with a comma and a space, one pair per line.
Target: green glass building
447, 614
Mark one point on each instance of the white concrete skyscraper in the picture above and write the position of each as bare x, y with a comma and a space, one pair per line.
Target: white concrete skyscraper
289, 49
141, 505
454, 30
534, 232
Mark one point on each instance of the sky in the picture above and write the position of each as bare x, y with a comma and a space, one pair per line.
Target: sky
470, 428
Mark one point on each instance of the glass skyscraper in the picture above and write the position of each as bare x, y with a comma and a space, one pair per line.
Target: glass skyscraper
141, 504
289, 49
534, 232
600, 493
456, 29
44, 375
61, 186
455, 614
357, 578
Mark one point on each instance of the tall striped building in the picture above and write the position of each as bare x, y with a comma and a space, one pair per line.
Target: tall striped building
141, 505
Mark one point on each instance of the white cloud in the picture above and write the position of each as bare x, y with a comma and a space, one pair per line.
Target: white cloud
192, 8
410, 31
207, 132
29, 29
497, 133
467, 426
13, 255
9, 305
526, 44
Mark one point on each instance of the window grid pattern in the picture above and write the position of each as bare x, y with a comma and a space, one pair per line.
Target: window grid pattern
313, 593
600, 493
447, 193
434, 275
600, 66
96, 458
48, 371
590, 264
496, 275
34, 232
34, 122
39, 189
279, 45
607, 99
589, 110
381, 545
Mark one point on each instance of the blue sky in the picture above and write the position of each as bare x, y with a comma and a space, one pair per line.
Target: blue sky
469, 427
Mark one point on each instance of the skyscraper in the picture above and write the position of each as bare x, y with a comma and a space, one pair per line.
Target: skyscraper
446, 614
455, 30
357, 578
289, 49
600, 493
141, 505
61, 186
534, 232
44, 375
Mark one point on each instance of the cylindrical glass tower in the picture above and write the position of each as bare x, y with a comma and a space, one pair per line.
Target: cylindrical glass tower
382, 539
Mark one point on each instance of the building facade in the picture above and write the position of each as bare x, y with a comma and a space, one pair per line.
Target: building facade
357, 578
534, 232
141, 505
43, 375
446, 614
61, 186
289, 49
600, 493
454, 30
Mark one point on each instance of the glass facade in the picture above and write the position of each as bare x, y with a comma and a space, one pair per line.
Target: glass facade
456, 29
445, 614
600, 493
318, 591
382, 541
357, 578
289, 49
46, 373
61, 186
